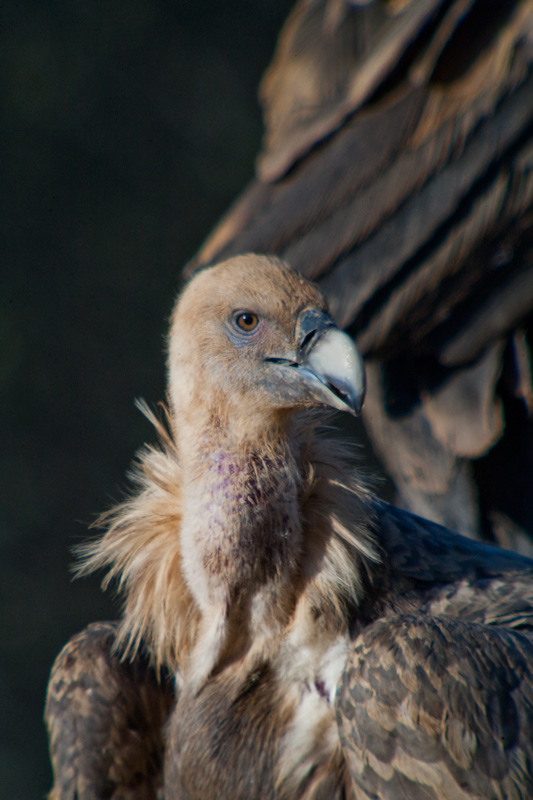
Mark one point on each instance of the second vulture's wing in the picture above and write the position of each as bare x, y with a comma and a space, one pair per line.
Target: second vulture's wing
396, 170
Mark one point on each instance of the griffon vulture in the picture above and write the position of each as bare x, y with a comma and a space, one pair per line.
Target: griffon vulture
396, 171
285, 635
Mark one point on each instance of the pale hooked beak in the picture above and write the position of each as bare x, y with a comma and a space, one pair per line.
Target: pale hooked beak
328, 368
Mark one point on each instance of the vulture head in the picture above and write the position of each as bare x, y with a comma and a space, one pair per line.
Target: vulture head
251, 340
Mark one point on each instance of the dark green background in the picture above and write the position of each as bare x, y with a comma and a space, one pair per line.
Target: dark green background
128, 129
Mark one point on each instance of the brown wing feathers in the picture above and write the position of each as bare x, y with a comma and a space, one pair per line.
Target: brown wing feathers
105, 720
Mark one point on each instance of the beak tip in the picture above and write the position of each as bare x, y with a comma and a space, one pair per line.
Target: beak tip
357, 408
356, 402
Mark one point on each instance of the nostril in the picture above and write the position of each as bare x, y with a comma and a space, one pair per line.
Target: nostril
312, 324
307, 338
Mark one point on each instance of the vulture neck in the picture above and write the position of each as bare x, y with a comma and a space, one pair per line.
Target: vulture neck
224, 424
241, 532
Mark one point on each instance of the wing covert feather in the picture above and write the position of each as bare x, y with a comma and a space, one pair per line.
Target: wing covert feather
105, 719
440, 709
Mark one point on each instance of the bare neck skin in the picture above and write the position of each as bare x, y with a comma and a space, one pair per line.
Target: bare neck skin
241, 535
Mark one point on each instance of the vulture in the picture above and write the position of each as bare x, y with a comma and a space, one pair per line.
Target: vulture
286, 635
396, 171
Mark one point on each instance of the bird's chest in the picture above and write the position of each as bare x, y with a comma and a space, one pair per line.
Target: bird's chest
237, 741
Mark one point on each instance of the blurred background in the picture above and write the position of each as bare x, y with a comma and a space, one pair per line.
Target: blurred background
128, 129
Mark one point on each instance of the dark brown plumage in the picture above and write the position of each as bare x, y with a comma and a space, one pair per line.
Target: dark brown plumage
323, 644
106, 718
396, 171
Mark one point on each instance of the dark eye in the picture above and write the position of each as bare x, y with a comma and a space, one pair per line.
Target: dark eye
247, 321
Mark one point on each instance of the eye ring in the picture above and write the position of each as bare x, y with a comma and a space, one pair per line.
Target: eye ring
247, 321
